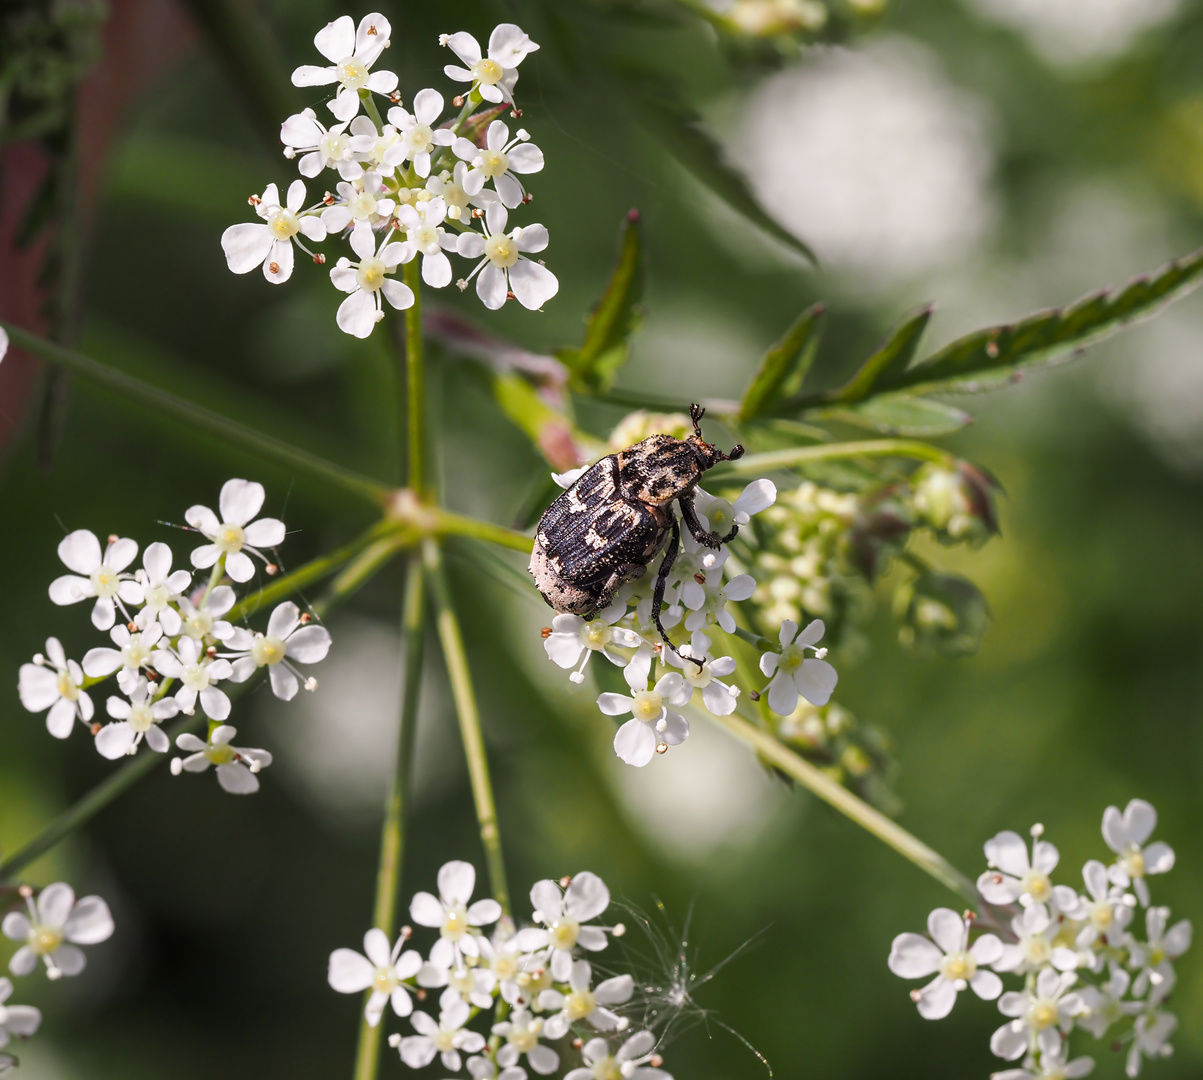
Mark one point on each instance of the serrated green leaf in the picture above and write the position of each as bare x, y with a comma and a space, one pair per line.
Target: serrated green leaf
902, 414
783, 368
889, 360
614, 320
986, 358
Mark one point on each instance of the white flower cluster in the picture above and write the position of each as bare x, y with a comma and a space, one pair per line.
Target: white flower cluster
173, 646
52, 929
414, 185
533, 980
1082, 966
696, 595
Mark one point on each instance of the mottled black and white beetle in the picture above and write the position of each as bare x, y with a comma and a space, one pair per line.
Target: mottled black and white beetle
614, 520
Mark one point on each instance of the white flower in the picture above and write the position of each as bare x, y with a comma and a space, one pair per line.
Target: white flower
52, 929
1153, 959
582, 1003
136, 719
1036, 932
452, 914
1105, 912
1039, 1013
101, 576
381, 970
320, 147
718, 697
363, 202
53, 682
627, 1063
425, 236
951, 959
1124, 834
1151, 1034
198, 675
794, 673
446, 1038
482, 1068
1052, 1066
3, 342
133, 653
270, 245
562, 916
471, 984
1016, 876
513, 968
521, 1033
500, 159
714, 606
370, 145
235, 533
695, 561
288, 637
161, 589
572, 639
237, 766
503, 268
721, 517
494, 76
449, 186
1104, 1005
367, 281
652, 725
206, 621
352, 52
418, 135
19, 1020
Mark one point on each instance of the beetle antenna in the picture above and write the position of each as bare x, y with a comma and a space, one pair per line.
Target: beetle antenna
696, 412
737, 451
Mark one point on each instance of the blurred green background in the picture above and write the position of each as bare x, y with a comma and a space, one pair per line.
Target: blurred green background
968, 153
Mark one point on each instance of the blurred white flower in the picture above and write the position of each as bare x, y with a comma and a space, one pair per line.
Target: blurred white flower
447, 1038
495, 75
1014, 876
562, 916
583, 1003
1052, 1066
289, 637
237, 766
1125, 834
503, 267
499, 161
521, 1033
1103, 908
368, 281
793, 673
55, 925
1150, 1038
352, 52
949, 956
19, 1020
452, 913
198, 675
1041, 1013
161, 589
1153, 959
270, 245
53, 682
1104, 1005
873, 158
97, 575
206, 621
628, 1061
382, 970
235, 533
653, 727
136, 719
133, 653
1035, 946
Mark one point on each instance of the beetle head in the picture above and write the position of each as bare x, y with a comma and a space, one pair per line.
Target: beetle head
708, 454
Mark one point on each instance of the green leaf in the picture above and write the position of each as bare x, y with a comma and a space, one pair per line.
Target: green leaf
555, 436
902, 414
614, 320
784, 367
990, 357
890, 360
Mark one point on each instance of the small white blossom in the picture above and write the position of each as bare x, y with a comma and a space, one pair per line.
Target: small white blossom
200, 623
495, 75
949, 956
499, 160
687, 578
425, 236
473, 985
1036, 932
1051, 1067
718, 697
382, 970
269, 245
363, 203
198, 676
1153, 959
419, 138
583, 1003
351, 53
1103, 910
563, 916
289, 638
574, 640
1150, 1038
714, 604
55, 925
449, 186
370, 145
629, 1062
521, 1033
161, 589
235, 533
1104, 1005
447, 1038
453, 915
1041, 1013
368, 282
652, 724
511, 966
19, 1020
794, 673
133, 652
1125, 834
237, 766
53, 682
136, 719
503, 267
320, 147
97, 575
721, 516
1016, 876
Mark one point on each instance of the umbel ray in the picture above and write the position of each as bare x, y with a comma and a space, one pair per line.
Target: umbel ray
616, 517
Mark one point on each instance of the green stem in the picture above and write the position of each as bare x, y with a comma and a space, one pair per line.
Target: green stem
804, 455
161, 400
460, 676
369, 106
415, 383
838, 796
392, 833
458, 525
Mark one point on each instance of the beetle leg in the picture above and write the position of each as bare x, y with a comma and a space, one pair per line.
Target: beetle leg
670, 557
701, 535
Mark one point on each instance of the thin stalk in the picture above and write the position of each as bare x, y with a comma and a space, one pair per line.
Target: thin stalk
196, 415
452, 641
392, 833
803, 455
369, 106
836, 795
415, 383
459, 525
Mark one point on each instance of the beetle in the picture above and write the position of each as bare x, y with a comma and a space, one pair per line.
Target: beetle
615, 519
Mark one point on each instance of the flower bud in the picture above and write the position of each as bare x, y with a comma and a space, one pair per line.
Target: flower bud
958, 504
942, 614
